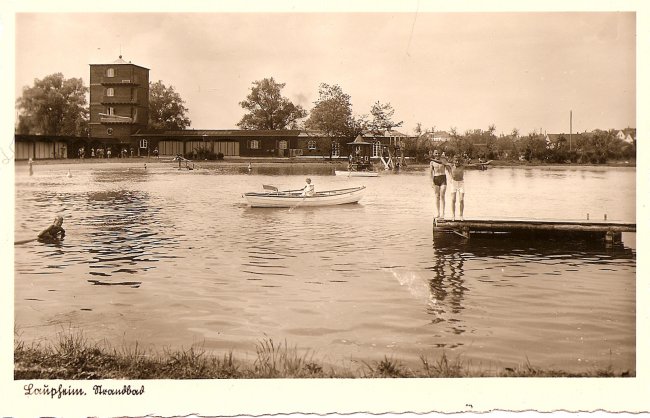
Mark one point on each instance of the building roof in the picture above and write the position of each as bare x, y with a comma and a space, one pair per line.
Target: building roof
199, 133
120, 61
393, 132
359, 141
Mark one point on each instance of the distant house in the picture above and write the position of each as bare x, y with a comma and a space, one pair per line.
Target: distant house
441, 136
627, 135
437, 136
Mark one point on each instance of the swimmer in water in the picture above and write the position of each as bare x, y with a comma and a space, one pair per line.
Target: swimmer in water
53, 233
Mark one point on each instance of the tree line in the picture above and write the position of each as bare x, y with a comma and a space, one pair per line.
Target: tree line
58, 106
596, 147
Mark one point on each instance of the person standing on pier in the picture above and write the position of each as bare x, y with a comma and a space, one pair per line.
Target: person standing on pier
439, 181
457, 171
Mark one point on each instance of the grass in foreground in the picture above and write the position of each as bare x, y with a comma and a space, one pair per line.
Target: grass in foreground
73, 357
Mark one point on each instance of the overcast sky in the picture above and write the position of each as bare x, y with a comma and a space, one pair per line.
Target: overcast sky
463, 70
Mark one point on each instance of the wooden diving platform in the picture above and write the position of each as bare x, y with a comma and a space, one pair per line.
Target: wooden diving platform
610, 231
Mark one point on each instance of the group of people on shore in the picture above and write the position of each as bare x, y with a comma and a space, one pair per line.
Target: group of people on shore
442, 169
108, 153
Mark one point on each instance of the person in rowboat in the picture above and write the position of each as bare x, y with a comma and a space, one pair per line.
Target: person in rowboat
53, 233
308, 190
439, 181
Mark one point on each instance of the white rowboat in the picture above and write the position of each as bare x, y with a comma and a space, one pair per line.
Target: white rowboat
356, 173
294, 198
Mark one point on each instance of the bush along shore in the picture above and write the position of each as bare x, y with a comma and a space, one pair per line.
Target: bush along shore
73, 357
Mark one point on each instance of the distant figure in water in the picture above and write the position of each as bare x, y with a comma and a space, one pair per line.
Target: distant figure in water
31, 169
250, 167
145, 166
69, 174
53, 233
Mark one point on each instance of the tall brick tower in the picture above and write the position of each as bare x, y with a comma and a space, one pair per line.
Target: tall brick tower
119, 102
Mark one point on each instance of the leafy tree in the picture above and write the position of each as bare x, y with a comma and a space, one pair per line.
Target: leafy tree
418, 129
53, 106
505, 147
515, 133
332, 113
358, 125
166, 108
600, 146
267, 109
382, 118
532, 147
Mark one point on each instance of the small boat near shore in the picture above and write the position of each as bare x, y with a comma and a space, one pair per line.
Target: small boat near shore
481, 165
353, 173
294, 198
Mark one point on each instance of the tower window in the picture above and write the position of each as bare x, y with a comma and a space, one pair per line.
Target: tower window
109, 131
110, 92
110, 72
110, 111
254, 144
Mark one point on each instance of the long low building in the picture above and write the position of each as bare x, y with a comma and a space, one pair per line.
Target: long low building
191, 142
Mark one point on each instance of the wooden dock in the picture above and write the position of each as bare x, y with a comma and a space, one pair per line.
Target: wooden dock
610, 231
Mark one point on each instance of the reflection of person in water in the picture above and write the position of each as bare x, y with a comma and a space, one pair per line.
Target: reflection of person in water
447, 285
54, 232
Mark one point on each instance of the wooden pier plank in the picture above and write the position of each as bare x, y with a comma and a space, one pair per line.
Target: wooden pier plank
522, 224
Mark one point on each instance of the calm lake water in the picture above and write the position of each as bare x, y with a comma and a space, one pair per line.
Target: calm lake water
174, 258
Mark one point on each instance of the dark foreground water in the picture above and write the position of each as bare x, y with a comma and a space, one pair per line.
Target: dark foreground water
174, 258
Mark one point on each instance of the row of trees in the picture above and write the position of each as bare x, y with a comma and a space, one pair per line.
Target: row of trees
332, 112
58, 106
597, 146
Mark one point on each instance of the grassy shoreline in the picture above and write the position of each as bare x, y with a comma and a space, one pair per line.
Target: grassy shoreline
72, 356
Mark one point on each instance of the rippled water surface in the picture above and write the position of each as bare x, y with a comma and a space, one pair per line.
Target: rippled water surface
173, 258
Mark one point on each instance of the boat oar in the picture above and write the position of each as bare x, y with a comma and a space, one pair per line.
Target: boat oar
299, 203
24, 241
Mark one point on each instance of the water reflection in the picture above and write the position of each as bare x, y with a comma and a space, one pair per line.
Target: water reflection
126, 235
298, 169
506, 261
537, 245
131, 174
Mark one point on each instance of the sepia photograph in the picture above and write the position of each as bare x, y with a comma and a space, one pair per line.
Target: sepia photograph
324, 208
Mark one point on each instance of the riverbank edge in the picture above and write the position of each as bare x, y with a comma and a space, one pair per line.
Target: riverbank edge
267, 161
72, 356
